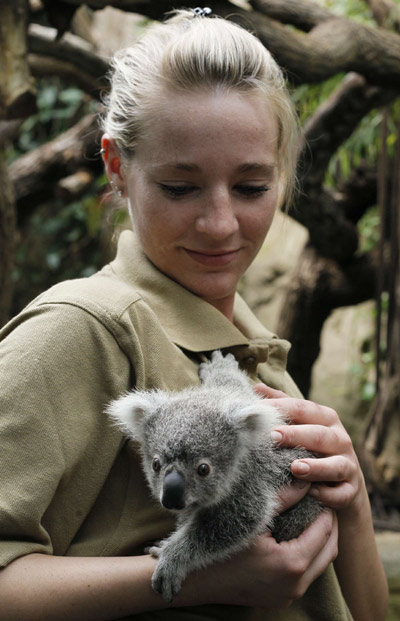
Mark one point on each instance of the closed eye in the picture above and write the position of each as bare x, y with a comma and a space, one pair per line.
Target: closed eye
176, 191
251, 191
246, 190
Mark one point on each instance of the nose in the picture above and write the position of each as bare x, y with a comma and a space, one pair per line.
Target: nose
173, 492
218, 218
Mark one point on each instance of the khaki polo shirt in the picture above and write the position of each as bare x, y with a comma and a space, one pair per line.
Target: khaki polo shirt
70, 484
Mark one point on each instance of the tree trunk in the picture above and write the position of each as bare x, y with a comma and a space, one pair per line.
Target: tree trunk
17, 94
7, 240
318, 287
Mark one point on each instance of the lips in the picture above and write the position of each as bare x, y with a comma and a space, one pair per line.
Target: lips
213, 258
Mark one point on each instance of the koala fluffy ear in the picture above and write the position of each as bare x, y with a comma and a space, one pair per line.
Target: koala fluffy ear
131, 411
257, 419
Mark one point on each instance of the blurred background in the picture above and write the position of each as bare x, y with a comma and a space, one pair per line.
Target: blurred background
327, 278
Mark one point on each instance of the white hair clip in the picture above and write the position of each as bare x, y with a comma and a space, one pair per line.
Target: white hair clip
199, 12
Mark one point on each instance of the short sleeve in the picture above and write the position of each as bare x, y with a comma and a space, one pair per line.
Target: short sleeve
59, 366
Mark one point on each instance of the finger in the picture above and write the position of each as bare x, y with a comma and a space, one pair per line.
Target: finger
337, 468
291, 494
269, 393
302, 412
325, 556
315, 438
313, 539
335, 497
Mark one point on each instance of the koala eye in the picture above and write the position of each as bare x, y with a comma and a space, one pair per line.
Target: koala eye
156, 464
203, 470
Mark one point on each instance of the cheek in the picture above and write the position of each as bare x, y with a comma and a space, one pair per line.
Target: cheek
257, 222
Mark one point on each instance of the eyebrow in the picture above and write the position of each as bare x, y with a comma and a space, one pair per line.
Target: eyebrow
263, 167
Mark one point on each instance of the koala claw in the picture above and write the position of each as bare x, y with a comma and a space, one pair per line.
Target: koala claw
155, 549
165, 582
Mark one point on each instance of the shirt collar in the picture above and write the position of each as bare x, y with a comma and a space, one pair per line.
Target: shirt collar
190, 322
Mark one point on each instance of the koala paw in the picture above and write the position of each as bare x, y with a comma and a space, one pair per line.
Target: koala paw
218, 363
166, 581
155, 549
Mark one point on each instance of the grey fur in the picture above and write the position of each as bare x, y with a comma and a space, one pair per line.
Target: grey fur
224, 426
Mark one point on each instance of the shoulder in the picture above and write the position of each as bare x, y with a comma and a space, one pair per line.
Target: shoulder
102, 295
75, 321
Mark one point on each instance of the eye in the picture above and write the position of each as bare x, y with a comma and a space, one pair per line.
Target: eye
203, 470
177, 191
156, 464
251, 191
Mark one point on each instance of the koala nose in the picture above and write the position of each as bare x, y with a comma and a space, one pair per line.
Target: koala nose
173, 493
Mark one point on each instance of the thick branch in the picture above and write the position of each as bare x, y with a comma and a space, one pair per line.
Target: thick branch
77, 148
386, 13
17, 95
318, 287
70, 51
46, 66
334, 46
7, 239
334, 121
303, 15
358, 192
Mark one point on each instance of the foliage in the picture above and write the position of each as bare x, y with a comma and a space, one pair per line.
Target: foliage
59, 107
356, 10
364, 144
308, 97
369, 230
61, 242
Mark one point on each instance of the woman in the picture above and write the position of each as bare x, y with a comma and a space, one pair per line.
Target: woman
201, 139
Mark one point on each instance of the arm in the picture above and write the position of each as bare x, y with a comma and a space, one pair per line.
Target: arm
267, 574
38, 408
358, 566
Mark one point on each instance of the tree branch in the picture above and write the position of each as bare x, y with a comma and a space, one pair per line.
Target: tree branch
334, 45
386, 14
77, 148
336, 119
318, 287
68, 52
317, 208
17, 94
42, 66
7, 239
303, 15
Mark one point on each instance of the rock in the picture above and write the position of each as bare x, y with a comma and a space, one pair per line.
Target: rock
389, 550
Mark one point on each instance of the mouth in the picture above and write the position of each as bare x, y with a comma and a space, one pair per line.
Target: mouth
213, 258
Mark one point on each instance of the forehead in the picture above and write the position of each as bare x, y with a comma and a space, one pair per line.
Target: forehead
189, 128
190, 425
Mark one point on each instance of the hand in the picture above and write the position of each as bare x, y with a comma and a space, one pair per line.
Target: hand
271, 574
336, 477
267, 574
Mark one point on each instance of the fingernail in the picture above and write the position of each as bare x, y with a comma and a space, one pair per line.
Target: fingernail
276, 437
301, 467
300, 484
314, 491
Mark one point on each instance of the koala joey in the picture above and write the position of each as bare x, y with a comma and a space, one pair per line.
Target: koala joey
208, 457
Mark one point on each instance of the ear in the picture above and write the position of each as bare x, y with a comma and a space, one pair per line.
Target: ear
257, 419
112, 162
131, 412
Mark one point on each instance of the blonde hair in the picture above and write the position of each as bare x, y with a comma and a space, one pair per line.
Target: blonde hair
190, 53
